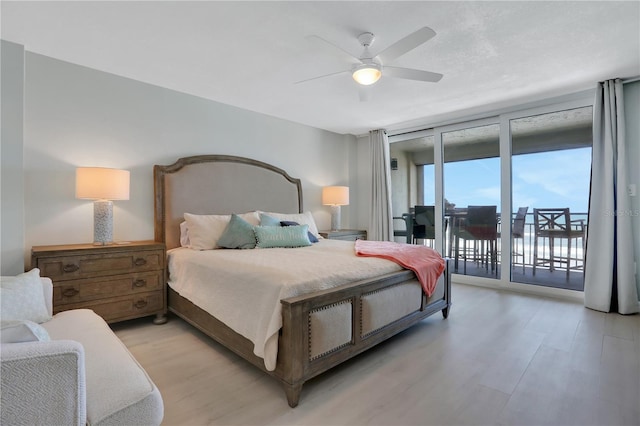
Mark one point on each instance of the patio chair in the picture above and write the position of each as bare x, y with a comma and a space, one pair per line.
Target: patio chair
480, 226
555, 224
407, 230
517, 233
424, 223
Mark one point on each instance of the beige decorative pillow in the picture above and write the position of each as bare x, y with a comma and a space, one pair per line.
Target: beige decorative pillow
206, 230
22, 298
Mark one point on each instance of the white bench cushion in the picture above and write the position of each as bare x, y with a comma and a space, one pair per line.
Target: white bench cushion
119, 391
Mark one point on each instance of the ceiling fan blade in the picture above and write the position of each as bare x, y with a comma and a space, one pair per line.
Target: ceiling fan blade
411, 74
364, 93
321, 76
333, 49
406, 44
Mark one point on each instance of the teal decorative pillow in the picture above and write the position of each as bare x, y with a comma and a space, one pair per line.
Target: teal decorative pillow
277, 236
305, 218
266, 220
238, 234
312, 238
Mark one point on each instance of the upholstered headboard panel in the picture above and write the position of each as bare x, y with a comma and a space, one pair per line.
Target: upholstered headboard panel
218, 184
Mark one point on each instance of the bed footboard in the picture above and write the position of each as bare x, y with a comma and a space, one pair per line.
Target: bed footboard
325, 328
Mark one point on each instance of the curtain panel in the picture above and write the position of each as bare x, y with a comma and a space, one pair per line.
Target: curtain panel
609, 282
380, 216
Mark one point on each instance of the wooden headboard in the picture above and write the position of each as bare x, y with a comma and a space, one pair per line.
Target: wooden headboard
218, 184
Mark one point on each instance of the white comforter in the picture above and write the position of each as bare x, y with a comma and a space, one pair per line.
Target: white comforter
243, 288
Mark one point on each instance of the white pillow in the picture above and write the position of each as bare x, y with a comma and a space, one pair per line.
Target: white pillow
22, 331
305, 218
22, 298
184, 235
206, 230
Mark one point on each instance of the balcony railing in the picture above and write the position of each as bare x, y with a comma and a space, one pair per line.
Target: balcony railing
529, 236
522, 266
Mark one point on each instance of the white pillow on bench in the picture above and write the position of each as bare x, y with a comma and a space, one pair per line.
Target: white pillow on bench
20, 331
21, 298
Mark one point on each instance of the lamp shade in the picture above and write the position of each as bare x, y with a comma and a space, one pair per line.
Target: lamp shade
99, 183
335, 195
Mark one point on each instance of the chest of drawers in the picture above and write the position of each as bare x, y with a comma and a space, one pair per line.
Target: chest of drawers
345, 234
119, 281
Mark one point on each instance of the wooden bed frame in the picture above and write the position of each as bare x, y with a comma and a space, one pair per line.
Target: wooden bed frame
220, 184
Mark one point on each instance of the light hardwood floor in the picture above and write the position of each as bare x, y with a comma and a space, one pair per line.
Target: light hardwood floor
500, 359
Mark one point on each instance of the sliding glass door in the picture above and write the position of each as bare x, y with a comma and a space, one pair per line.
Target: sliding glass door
550, 162
413, 184
504, 169
471, 157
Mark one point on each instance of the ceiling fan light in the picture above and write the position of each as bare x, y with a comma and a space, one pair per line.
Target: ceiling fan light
367, 74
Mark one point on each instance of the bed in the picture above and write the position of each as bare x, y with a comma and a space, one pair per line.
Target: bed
317, 330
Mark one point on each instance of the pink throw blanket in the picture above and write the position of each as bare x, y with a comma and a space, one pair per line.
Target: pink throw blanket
427, 263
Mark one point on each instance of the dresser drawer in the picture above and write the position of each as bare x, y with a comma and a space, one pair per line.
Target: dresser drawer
95, 265
123, 307
76, 291
349, 237
345, 234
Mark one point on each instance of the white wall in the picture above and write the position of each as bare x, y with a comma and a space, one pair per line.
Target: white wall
12, 188
403, 182
632, 124
404, 187
75, 116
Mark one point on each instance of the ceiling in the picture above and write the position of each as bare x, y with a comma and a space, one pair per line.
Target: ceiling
249, 54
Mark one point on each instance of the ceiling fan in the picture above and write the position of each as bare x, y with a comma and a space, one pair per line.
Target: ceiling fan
368, 68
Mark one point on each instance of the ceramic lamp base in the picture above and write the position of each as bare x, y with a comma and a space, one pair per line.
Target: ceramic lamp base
335, 218
102, 222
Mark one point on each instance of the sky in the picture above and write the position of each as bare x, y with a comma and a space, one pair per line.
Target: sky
551, 179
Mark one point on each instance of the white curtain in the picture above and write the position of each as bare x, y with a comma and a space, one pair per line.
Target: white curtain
380, 216
609, 281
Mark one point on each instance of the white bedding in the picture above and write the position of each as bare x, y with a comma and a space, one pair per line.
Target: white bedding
243, 288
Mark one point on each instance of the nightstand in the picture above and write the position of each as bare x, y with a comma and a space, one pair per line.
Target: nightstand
345, 234
117, 281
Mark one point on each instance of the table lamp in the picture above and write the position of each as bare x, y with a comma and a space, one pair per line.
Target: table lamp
335, 196
102, 185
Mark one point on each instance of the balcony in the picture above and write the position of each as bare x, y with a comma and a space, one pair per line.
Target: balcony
522, 271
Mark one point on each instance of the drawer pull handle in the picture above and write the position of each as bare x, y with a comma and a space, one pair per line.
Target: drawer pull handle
70, 292
140, 283
140, 304
70, 267
140, 261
